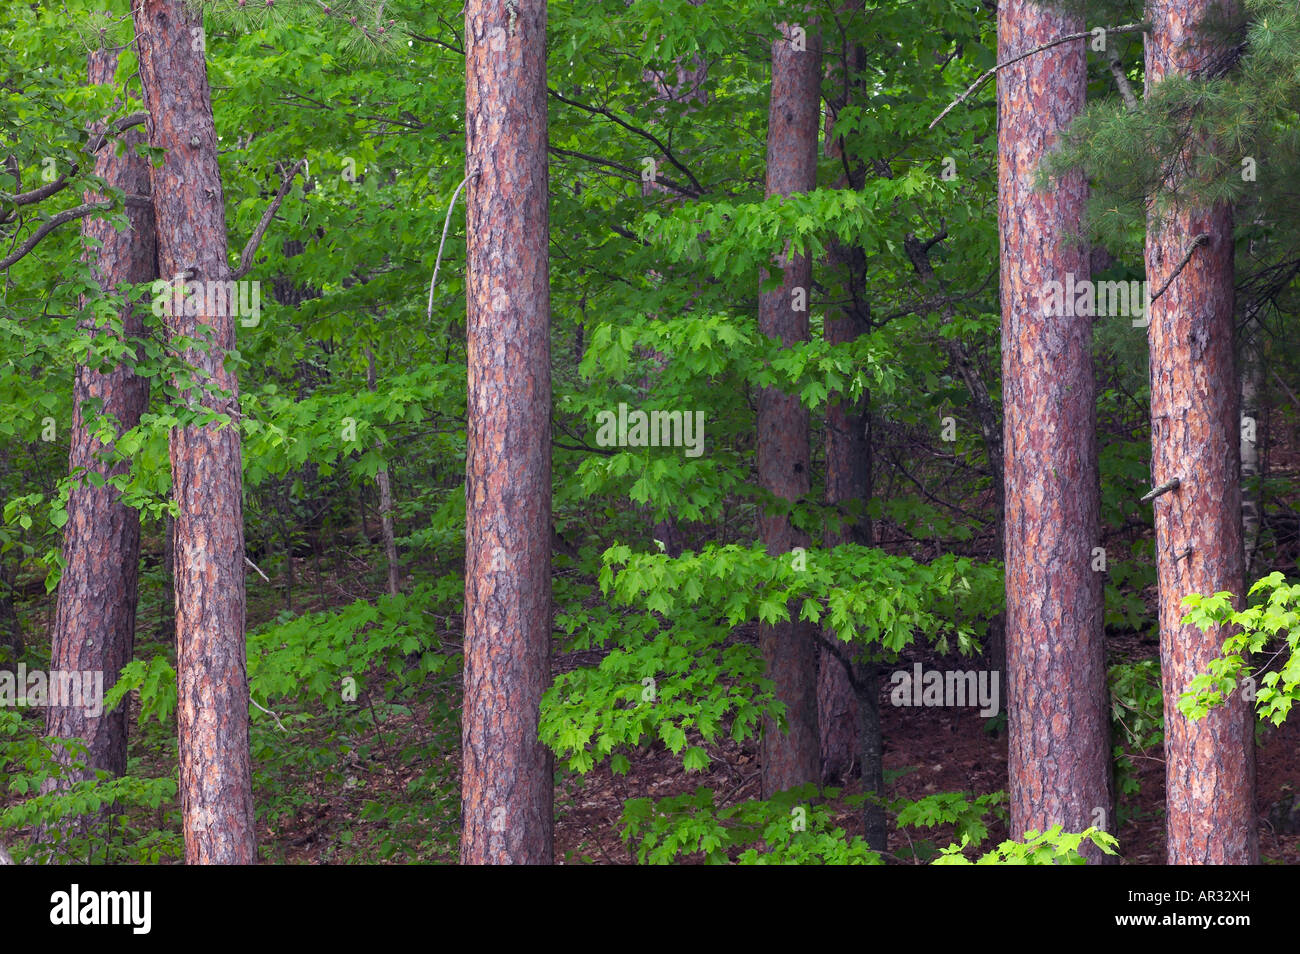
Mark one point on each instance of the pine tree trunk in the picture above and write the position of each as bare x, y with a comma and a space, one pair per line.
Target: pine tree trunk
1195, 437
212, 682
506, 787
94, 623
1058, 721
789, 649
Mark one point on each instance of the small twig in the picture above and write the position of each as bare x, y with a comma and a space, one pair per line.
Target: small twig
268, 712
446, 223
257, 568
1196, 243
984, 77
1162, 489
255, 240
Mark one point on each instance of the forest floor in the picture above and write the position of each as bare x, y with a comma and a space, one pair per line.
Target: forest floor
407, 762
926, 751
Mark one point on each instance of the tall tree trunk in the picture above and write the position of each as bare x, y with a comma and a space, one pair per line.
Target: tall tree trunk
1195, 438
848, 705
506, 788
789, 649
94, 623
385, 502
212, 682
1058, 720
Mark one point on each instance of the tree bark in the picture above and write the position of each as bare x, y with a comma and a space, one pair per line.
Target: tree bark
1058, 719
94, 622
506, 787
385, 503
848, 450
789, 650
212, 680
1195, 437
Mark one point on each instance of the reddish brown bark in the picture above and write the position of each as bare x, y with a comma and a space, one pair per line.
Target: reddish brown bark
789, 650
506, 788
1058, 719
212, 681
1209, 764
94, 623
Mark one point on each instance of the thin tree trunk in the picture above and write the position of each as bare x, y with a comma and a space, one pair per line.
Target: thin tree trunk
848, 706
1252, 428
385, 503
1195, 437
506, 786
94, 624
848, 452
1059, 717
212, 683
167, 622
789, 649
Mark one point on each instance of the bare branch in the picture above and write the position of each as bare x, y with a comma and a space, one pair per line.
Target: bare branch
632, 173
67, 215
1196, 243
446, 222
246, 259
668, 154
49, 189
1121, 81
984, 77
1164, 488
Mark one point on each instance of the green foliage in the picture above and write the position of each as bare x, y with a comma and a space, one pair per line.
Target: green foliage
678, 670
1275, 615
1051, 847
797, 827
85, 820
1137, 716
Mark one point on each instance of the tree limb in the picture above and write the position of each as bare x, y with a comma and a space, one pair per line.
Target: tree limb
67, 215
1121, 81
1187, 257
246, 259
984, 77
633, 173
49, 189
644, 134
